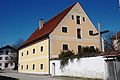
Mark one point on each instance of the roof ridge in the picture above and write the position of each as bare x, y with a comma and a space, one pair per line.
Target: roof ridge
48, 27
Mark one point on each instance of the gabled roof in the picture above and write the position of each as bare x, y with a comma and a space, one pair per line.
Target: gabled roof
47, 28
7, 46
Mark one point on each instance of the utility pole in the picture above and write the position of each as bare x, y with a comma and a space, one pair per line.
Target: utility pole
99, 30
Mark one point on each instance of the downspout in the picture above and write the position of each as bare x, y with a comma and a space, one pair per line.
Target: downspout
49, 53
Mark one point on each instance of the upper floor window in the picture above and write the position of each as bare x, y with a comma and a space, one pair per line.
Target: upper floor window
6, 58
78, 19
64, 29
1, 51
65, 46
90, 32
79, 33
41, 49
33, 50
0, 64
27, 52
33, 66
79, 48
22, 53
41, 66
72, 17
0, 58
84, 19
6, 52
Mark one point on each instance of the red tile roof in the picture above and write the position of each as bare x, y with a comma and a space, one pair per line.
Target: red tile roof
47, 28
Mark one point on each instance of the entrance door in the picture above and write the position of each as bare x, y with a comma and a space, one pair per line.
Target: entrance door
53, 69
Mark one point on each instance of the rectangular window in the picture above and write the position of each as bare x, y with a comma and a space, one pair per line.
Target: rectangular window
1, 51
6, 65
64, 29
21, 67
41, 49
22, 53
72, 17
6, 58
84, 19
27, 67
90, 32
33, 50
0, 58
92, 47
27, 52
78, 19
79, 33
33, 66
41, 66
65, 46
11, 64
6, 52
0, 64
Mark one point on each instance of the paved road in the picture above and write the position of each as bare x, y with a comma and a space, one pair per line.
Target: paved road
35, 77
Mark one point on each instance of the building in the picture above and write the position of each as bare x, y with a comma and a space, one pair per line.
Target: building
7, 56
116, 41
70, 29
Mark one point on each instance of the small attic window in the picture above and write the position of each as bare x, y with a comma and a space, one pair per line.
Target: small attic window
72, 17
84, 19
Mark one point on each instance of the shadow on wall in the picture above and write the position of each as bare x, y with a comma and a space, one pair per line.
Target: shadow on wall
7, 78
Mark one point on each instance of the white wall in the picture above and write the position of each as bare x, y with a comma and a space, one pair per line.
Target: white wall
92, 67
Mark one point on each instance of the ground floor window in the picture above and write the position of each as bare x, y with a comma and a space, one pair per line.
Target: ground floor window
41, 66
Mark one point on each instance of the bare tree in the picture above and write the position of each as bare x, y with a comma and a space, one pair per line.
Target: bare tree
110, 43
18, 43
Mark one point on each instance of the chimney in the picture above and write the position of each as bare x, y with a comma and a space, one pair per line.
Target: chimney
41, 22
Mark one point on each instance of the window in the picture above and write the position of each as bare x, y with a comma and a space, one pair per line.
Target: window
65, 47
6, 65
41, 49
90, 32
78, 19
6, 52
64, 29
11, 51
33, 50
1, 51
22, 53
72, 17
0, 64
41, 66
79, 33
27, 67
92, 47
6, 58
0, 58
27, 52
12, 58
21, 67
79, 48
11, 64
84, 19
33, 66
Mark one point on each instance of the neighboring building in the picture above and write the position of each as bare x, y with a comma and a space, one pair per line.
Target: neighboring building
116, 41
7, 55
70, 29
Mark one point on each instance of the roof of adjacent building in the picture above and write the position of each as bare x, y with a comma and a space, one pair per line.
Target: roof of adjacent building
47, 28
118, 35
7, 46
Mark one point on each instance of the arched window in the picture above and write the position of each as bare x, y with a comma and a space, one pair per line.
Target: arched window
79, 48
79, 33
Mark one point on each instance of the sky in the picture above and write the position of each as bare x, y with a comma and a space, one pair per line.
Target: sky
19, 18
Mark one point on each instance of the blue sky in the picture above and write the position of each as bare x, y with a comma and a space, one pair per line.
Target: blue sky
19, 18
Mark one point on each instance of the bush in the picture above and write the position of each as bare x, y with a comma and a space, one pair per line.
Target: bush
65, 56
